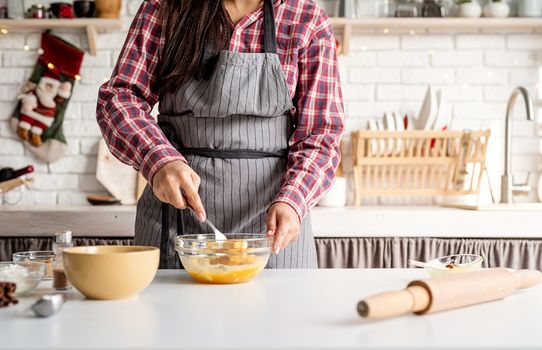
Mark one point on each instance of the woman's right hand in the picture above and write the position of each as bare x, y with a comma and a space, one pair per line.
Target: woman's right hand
177, 184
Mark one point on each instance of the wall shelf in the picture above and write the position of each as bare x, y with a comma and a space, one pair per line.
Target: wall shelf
344, 26
90, 25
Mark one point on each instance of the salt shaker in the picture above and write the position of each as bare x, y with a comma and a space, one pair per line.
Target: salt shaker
61, 241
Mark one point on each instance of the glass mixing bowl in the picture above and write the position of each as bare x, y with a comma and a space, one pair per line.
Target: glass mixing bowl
26, 275
455, 264
237, 260
44, 256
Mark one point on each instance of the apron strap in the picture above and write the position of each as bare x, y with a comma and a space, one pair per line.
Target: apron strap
270, 36
233, 153
164, 240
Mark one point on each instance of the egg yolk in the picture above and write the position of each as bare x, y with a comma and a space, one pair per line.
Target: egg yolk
224, 269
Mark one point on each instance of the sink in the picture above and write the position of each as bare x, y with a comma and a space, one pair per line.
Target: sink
496, 207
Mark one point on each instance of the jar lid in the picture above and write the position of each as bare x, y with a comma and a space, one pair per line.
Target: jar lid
63, 237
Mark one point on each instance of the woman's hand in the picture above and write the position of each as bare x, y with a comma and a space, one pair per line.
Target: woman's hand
177, 184
283, 223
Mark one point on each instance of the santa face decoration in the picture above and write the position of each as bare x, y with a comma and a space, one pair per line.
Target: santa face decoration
39, 106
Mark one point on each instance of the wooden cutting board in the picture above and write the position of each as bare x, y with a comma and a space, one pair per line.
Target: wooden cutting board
9, 185
121, 180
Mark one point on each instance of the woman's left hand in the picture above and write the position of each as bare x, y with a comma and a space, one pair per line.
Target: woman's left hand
283, 223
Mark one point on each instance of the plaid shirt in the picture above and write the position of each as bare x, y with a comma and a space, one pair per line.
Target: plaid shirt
306, 48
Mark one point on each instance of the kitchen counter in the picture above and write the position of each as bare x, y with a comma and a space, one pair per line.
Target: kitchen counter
381, 221
281, 309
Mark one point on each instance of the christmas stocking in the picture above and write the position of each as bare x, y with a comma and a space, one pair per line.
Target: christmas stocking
40, 113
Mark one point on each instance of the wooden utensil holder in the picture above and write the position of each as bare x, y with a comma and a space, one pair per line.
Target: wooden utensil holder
108, 8
418, 162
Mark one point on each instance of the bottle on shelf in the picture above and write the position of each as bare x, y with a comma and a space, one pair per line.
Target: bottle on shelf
10, 174
62, 240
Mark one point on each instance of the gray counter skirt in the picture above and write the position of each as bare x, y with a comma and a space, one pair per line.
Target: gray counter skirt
394, 252
10, 245
360, 252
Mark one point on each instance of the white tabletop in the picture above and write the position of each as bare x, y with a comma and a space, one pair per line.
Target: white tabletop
281, 309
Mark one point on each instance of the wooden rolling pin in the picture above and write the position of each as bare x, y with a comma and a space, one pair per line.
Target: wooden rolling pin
448, 292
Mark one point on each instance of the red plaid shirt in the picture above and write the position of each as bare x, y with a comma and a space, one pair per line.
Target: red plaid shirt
306, 48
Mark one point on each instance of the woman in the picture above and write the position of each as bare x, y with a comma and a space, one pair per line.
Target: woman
250, 119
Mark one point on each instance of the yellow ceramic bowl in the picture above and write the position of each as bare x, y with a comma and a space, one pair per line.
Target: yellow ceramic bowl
111, 272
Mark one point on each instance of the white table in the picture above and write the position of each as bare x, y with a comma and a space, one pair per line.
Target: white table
281, 309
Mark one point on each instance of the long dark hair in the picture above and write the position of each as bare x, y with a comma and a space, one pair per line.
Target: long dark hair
188, 26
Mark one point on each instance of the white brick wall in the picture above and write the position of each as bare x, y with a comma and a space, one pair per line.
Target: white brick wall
476, 70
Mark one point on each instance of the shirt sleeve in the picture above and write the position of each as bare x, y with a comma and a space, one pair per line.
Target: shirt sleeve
319, 123
126, 100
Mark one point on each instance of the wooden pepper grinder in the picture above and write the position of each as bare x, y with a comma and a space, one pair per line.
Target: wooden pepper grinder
448, 292
61, 241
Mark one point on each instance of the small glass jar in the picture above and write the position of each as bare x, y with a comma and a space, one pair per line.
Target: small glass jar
406, 8
382, 8
449, 7
61, 241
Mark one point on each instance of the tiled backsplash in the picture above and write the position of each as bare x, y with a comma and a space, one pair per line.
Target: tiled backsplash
384, 72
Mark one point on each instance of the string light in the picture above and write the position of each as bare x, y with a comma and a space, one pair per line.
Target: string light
386, 31
364, 48
412, 32
40, 51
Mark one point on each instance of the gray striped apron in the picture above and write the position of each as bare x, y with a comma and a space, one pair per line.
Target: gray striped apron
233, 127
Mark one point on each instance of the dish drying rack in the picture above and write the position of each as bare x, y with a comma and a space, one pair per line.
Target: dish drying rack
418, 162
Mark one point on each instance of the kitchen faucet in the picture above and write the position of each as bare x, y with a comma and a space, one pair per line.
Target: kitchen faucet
507, 183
